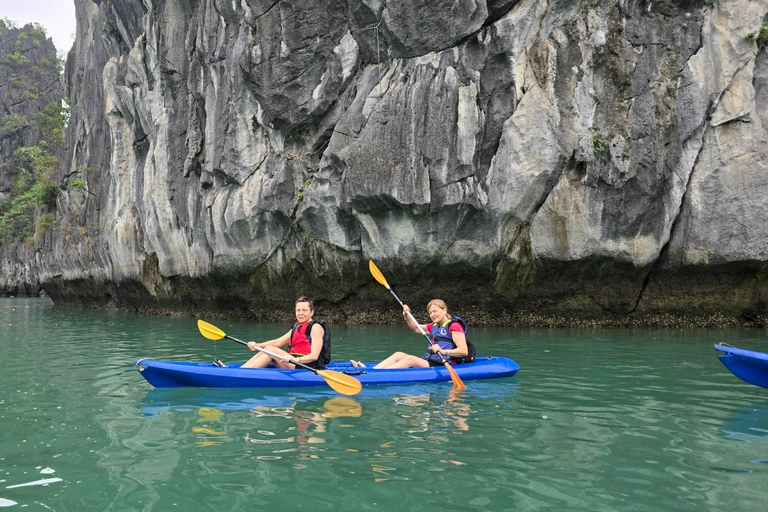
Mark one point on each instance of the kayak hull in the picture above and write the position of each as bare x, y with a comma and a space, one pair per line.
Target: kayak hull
167, 374
748, 365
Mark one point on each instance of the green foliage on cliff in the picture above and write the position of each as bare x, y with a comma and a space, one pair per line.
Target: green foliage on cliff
759, 36
600, 142
109, 29
34, 185
32, 122
300, 193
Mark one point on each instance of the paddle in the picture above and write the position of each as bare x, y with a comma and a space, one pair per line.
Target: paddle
378, 276
340, 382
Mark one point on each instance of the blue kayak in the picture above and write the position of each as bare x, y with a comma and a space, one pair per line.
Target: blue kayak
748, 365
168, 374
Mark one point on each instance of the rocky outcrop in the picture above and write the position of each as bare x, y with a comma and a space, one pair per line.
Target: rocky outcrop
29, 81
592, 160
30, 84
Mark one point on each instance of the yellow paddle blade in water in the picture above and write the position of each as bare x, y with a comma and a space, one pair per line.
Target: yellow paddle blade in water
457, 382
210, 331
377, 275
341, 382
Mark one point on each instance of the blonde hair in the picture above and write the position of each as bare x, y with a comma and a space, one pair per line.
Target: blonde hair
439, 303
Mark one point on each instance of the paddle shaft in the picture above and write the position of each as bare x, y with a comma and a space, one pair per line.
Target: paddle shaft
421, 329
272, 354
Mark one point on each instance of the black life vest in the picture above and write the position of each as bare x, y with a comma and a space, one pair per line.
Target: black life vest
325, 353
442, 336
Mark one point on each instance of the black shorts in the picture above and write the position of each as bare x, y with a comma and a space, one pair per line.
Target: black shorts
314, 364
432, 363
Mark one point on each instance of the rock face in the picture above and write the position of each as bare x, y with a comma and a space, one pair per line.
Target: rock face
29, 82
595, 160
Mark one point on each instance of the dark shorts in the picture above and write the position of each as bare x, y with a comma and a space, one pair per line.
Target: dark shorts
440, 363
314, 364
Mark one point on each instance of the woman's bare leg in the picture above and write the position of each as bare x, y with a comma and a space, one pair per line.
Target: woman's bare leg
402, 360
260, 360
278, 362
391, 359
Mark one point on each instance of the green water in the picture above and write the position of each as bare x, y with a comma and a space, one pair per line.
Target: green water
594, 421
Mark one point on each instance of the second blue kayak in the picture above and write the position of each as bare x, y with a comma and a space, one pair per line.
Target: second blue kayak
166, 374
748, 365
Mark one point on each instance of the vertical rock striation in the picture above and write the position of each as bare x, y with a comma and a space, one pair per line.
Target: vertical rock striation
599, 160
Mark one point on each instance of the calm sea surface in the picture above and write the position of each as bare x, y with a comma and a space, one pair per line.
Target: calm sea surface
638, 420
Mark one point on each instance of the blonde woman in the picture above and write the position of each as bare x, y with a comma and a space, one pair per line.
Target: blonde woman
449, 336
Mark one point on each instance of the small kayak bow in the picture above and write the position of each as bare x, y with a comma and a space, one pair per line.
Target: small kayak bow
748, 365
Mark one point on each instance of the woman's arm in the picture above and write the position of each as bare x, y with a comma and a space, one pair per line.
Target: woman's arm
461, 350
413, 325
277, 342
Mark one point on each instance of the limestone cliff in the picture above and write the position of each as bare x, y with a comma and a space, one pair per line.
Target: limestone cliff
599, 160
30, 89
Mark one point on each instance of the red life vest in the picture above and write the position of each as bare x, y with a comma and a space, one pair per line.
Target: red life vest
300, 343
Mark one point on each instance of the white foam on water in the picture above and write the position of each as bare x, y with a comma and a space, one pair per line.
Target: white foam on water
44, 481
47, 471
7, 503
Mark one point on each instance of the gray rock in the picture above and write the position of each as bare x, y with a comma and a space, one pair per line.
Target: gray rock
29, 83
564, 158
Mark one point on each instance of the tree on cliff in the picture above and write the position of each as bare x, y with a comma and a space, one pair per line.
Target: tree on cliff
32, 123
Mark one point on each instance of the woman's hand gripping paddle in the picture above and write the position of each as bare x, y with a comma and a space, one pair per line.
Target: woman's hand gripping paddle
378, 276
340, 382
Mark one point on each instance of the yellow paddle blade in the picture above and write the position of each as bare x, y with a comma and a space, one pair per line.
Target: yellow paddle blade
377, 275
210, 331
457, 382
341, 382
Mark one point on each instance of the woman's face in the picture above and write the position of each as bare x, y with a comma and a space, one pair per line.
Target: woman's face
436, 314
303, 313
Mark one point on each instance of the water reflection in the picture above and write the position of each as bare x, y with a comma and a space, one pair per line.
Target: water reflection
433, 418
381, 435
342, 407
208, 436
748, 424
439, 416
306, 423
